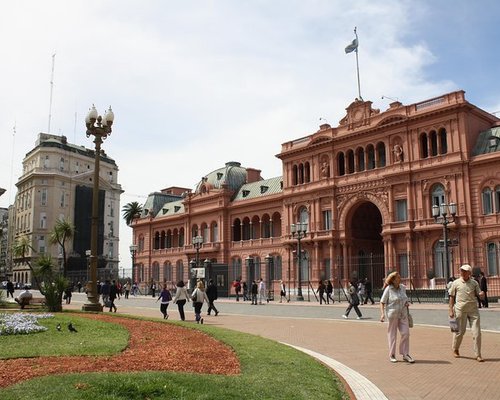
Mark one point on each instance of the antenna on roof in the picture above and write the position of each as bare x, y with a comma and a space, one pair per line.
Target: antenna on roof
51, 89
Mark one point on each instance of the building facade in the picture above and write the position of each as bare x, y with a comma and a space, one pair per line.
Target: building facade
365, 190
57, 184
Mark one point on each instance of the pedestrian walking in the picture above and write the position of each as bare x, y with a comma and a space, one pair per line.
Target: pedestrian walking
353, 301
254, 291
321, 291
165, 298
79, 286
245, 291
113, 293
361, 292
199, 296
329, 292
10, 288
368, 291
127, 287
212, 296
394, 304
105, 287
237, 288
181, 297
282, 291
152, 289
483, 286
262, 291
67, 294
463, 306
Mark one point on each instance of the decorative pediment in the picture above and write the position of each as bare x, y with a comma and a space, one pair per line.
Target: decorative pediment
390, 120
359, 114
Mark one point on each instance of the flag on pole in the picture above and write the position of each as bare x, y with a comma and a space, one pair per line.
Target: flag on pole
352, 47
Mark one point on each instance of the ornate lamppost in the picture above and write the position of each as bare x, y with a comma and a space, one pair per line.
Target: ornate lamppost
100, 128
444, 215
197, 243
133, 252
299, 230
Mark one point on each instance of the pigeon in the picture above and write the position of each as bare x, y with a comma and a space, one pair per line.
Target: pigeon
71, 328
58, 327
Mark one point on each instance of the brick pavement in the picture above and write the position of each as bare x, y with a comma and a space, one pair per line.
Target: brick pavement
361, 347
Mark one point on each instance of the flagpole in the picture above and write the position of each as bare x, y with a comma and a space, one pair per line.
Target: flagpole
357, 65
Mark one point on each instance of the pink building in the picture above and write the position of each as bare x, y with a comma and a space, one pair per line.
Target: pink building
365, 189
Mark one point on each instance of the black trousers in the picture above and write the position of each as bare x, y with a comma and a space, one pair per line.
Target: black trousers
212, 307
180, 307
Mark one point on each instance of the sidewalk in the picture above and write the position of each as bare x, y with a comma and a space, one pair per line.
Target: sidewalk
362, 346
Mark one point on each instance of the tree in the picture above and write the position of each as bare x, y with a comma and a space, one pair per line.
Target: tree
52, 283
22, 249
61, 232
131, 211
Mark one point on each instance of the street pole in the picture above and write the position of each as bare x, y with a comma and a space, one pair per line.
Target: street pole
100, 128
445, 214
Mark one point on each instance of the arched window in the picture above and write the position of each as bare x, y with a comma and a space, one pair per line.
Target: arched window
424, 150
167, 271
266, 226
155, 274
439, 260
370, 151
162, 240
181, 237
497, 199
304, 216
434, 143
180, 270
307, 173
168, 239
215, 232
492, 256
194, 231
156, 243
341, 164
236, 268
360, 158
141, 244
487, 201
205, 231
301, 173
438, 195
236, 230
350, 162
295, 175
381, 154
443, 141
246, 228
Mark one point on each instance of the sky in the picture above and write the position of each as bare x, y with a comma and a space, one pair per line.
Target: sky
195, 84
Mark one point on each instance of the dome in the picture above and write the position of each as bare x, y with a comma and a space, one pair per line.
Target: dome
232, 175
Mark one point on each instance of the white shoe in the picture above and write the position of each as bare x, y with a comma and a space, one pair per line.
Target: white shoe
344, 316
393, 359
358, 318
408, 359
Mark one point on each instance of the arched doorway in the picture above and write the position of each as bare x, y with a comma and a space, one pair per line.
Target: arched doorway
366, 248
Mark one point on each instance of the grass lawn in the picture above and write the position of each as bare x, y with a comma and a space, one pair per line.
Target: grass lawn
269, 371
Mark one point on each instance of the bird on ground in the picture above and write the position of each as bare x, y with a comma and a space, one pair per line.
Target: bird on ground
71, 328
58, 327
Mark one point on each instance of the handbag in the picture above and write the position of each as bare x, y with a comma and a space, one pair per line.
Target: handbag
410, 318
194, 295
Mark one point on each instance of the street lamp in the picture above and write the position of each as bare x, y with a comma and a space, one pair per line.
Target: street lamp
133, 252
197, 243
444, 215
299, 230
100, 129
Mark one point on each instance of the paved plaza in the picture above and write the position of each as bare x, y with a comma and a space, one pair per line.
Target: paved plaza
357, 349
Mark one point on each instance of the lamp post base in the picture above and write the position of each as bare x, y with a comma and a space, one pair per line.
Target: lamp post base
95, 307
299, 297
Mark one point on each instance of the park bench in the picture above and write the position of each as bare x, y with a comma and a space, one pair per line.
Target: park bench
33, 301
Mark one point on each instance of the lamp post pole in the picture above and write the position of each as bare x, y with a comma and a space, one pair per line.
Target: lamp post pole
100, 129
133, 251
299, 230
444, 215
197, 243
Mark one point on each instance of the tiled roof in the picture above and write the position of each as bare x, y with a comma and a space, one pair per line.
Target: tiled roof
265, 187
156, 201
232, 174
171, 208
487, 142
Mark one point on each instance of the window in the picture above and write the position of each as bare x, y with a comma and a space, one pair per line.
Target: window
61, 164
43, 197
434, 143
381, 154
304, 216
167, 271
437, 195
112, 209
155, 273
371, 156
206, 234
46, 162
327, 220
443, 141
360, 157
141, 244
424, 149
487, 201
497, 199
401, 210
492, 257
439, 259
215, 232
403, 265
43, 220
341, 164
236, 267
62, 199
41, 244
110, 250
327, 263
180, 271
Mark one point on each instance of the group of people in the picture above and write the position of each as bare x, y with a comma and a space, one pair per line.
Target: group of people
325, 287
464, 294
258, 293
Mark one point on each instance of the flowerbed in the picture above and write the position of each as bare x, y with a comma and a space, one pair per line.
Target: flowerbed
151, 345
21, 323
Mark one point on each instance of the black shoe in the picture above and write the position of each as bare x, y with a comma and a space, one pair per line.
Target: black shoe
201, 321
216, 313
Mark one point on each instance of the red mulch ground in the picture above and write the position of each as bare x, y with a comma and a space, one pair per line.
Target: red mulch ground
153, 346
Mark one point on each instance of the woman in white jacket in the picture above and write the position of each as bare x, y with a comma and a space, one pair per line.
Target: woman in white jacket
181, 297
199, 296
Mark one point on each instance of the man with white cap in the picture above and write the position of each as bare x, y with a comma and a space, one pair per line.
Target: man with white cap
463, 306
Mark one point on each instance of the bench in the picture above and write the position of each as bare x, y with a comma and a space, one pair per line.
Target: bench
33, 301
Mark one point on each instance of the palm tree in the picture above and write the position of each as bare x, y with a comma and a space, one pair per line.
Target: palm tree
22, 249
62, 231
53, 284
131, 211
